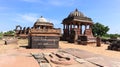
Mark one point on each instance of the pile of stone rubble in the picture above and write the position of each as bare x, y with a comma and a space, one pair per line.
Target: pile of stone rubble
114, 45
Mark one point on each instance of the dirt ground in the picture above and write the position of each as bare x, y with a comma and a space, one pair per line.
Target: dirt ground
63, 44
92, 48
16, 55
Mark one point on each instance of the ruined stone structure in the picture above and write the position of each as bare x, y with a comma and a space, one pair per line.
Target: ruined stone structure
77, 24
44, 35
21, 33
41, 35
115, 45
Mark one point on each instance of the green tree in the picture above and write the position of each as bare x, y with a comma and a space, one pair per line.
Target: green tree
10, 32
99, 29
1, 34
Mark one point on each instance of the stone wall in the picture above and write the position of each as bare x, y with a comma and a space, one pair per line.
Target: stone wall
43, 41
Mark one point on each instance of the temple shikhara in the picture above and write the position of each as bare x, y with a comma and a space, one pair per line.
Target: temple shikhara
75, 25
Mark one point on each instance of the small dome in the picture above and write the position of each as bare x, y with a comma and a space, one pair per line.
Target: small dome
76, 13
41, 19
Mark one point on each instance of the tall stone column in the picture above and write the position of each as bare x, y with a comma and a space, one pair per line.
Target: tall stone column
85, 26
78, 30
68, 29
90, 26
81, 29
70, 26
77, 26
63, 26
64, 30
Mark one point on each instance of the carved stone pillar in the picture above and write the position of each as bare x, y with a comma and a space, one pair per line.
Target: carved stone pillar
90, 26
63, 26
64, 29
81, 29
70, 26
77, 26
85, 26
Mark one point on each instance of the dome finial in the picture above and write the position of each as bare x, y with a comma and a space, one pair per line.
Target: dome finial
76, 9
41, 17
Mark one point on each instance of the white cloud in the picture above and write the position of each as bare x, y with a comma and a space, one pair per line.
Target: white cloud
25, 18
6, 27
28, 18
57, 23
31, 18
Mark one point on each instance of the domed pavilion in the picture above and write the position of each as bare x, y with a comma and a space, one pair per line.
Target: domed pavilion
78, 22
44, 35
41, 35
42, 23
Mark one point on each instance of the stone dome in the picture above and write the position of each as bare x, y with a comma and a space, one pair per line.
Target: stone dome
41, 19
42, 22
76, 13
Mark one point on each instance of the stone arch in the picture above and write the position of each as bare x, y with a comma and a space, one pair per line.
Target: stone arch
18, 27
24, 29
27, 30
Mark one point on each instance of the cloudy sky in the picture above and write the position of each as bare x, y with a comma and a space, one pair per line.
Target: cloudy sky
26, 12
